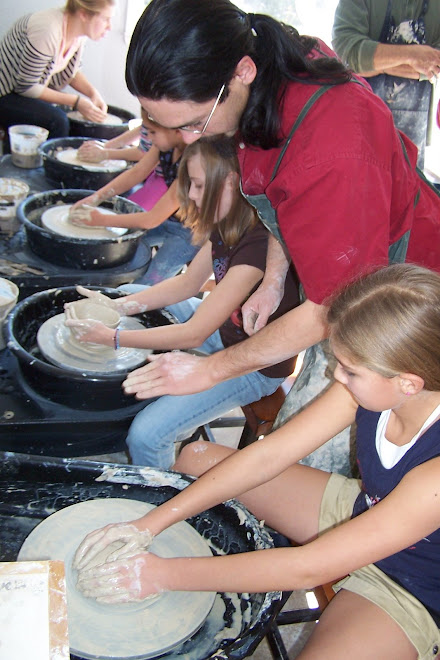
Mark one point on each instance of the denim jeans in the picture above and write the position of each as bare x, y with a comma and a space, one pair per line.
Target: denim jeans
175, 250
16, 109
171, 419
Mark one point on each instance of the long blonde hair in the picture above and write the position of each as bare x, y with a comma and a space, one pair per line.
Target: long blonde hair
219, 159
389, 321
89, 6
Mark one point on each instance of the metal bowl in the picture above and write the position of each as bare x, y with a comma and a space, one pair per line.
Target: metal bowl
77, 253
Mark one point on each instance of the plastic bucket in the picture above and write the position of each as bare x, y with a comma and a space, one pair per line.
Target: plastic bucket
25, 140
8, 297
12, 192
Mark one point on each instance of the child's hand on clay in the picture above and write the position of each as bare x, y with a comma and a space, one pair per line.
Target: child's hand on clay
92, 152
134, 541
88, 330
91, 200
124, 305
133, 579
86, 216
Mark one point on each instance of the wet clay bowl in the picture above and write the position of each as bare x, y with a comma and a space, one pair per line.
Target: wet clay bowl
73, 252
76, 389
67, 175
83, 128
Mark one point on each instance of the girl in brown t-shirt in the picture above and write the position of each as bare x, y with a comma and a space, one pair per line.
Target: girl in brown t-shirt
233, 248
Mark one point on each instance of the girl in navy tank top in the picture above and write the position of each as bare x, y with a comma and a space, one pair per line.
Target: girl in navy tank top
380, 531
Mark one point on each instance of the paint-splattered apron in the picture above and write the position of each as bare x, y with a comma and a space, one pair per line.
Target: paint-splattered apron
314, 377
408, 100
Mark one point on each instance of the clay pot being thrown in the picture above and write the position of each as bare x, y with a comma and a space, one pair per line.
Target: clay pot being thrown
76, 388
86, 309
72, 252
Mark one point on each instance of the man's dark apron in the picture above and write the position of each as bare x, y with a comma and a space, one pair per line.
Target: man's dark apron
408, 100
267, 215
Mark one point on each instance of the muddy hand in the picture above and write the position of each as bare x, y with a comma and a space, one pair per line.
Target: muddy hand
81, 215
134, 540
92, 152
87, 330
95, 296
122, 581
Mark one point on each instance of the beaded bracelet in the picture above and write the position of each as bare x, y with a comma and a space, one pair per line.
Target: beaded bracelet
116, 339
75, 105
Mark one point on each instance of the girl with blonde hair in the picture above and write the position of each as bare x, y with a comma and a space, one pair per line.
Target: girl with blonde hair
382, 531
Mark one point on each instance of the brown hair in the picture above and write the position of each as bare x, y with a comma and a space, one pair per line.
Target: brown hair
389, 321
220, 159
89, 6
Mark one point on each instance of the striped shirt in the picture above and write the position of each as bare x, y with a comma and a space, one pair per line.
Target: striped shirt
31, 52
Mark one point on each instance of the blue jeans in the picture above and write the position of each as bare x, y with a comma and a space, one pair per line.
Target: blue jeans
175, 250
16, 109
171, 419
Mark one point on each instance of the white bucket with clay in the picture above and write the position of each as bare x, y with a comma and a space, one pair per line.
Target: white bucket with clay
25, 140
12, 193
8, 298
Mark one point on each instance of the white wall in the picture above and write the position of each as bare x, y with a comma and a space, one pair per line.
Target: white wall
103, 62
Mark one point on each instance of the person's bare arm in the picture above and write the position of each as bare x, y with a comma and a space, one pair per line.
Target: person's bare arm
405, 61
166, 206
180, 373
243, 470
407, 515
121, 183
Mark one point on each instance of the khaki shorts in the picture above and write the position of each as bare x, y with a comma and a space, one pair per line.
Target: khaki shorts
370, 582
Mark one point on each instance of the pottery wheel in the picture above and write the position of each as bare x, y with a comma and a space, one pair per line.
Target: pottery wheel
70, 157
129, 630
56, 219
57, 344
110, 119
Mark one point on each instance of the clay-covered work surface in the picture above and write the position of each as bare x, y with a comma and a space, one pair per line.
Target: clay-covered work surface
130, 630
58, 345
56, 219
70, 157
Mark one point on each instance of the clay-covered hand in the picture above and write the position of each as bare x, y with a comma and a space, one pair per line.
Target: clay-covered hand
125, 580
85, 215
92, 152
257, 309
91, 200
91, 111
134, 539
125, 305
88, 330
169, 373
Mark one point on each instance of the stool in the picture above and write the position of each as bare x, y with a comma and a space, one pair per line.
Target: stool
323, 595
258, 419
260, 416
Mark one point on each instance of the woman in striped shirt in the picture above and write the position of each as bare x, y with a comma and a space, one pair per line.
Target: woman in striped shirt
40, 55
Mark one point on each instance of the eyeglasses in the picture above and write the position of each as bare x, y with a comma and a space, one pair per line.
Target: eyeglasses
197, 131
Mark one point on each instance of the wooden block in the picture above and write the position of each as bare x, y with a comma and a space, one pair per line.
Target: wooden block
33, 611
